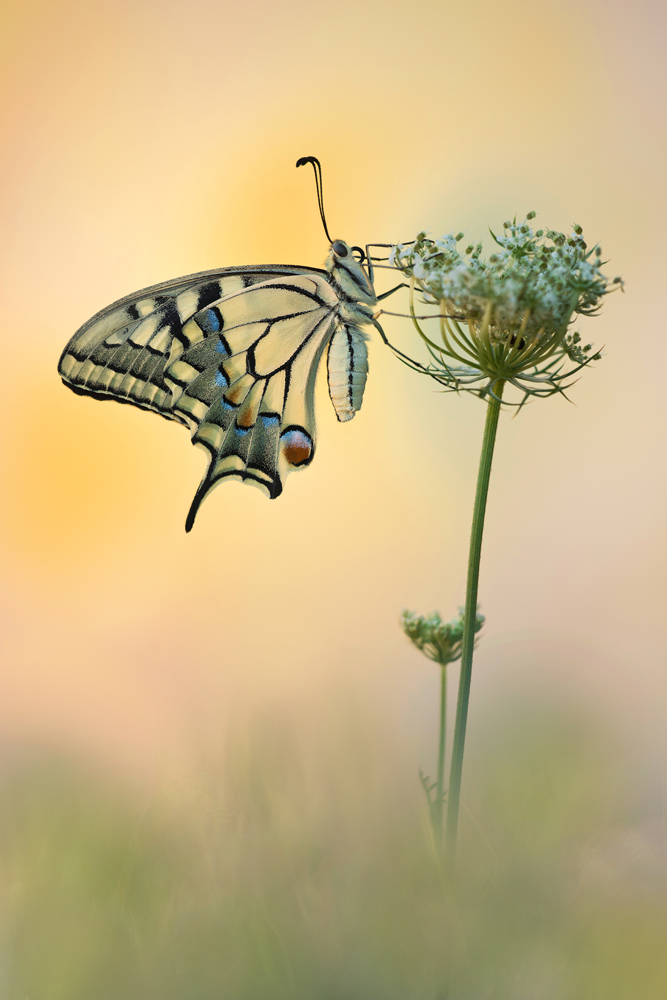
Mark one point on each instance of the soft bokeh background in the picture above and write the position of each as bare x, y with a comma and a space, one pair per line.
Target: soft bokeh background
210, 742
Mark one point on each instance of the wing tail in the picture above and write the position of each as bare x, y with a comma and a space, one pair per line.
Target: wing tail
199, 496
242, 434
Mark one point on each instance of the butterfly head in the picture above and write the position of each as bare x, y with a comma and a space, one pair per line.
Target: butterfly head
345, 265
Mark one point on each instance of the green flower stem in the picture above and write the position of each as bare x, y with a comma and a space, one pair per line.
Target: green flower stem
468, 645
440, 787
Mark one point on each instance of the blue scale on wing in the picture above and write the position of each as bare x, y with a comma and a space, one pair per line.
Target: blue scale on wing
224, 400
193, 375
207, 353
263, 454
240, 433
211, 321
205, 388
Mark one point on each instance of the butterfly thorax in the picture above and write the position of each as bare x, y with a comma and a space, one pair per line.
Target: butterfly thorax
357, 298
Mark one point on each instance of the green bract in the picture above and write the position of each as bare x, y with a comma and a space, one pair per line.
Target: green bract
439, 641
506, 318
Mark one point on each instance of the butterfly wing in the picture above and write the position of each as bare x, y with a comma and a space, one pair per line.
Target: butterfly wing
231, 354
121, 352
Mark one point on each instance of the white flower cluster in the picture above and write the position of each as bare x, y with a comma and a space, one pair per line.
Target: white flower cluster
534, 282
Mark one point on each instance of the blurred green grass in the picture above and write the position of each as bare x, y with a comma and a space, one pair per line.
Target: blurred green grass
301, 867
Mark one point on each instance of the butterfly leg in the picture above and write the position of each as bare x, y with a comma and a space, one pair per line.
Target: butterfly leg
385, 295
406, 357
377, 325
382, 246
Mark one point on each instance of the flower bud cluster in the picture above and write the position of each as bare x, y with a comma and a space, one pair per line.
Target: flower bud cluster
439, 641
535, 281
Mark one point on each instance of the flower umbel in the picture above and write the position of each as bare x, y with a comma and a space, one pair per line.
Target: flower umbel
439, 641
506, 318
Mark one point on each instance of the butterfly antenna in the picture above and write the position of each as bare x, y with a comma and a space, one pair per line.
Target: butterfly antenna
318, 182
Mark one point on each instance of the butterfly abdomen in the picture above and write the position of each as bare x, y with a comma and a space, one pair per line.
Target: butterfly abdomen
347, 369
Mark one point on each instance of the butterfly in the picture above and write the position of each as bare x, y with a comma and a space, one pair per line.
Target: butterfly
233, 354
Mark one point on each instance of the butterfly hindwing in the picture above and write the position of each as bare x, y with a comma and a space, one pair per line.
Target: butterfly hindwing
259, 425
231, 354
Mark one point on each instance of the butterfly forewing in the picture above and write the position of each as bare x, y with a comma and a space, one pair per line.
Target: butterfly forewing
122, 352
233, 355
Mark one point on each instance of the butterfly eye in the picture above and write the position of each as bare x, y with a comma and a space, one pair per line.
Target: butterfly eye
339, 248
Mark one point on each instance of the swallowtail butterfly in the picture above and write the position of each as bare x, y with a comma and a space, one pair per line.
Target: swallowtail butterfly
232, 354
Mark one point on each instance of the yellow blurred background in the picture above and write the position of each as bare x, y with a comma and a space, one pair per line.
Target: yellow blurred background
142, 141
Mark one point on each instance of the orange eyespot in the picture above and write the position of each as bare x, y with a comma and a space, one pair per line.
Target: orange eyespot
297, 445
